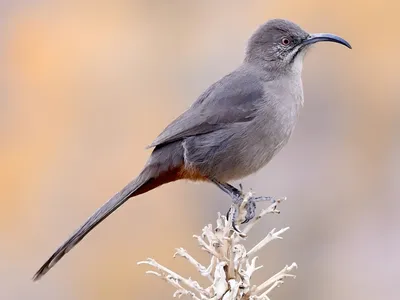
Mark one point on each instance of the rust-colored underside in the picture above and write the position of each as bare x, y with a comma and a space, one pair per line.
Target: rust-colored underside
170, 176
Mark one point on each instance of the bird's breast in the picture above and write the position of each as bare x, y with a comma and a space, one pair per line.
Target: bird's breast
277, 120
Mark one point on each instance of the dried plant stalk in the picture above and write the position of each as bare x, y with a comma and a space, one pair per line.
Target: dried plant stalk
231, 266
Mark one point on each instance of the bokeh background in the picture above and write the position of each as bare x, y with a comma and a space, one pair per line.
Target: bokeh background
86, 85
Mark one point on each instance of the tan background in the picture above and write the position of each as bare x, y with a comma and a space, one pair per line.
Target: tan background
86, 85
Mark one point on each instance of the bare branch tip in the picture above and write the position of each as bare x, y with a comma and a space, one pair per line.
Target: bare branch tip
231, 266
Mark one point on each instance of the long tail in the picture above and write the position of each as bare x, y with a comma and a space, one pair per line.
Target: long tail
164, 166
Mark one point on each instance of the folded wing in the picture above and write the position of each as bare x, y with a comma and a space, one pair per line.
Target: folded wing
232, 99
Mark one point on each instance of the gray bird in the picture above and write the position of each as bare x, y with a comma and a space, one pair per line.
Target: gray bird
232, 130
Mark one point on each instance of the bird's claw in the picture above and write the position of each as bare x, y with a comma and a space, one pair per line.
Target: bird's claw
250, 208
244, 205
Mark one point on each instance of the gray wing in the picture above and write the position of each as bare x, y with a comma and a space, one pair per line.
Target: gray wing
230, 100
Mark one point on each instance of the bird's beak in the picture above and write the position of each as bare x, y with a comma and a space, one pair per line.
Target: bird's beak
325, 37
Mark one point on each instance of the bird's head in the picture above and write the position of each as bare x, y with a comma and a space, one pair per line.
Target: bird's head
280, 45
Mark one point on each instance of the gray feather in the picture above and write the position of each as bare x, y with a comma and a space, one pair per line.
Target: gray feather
232, 99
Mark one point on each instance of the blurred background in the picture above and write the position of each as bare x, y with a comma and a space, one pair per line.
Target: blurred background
86, 85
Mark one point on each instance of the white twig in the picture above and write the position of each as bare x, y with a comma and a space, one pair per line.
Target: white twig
278, 277
272, 235
203, 271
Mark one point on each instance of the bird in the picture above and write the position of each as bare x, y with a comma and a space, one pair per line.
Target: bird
233, 129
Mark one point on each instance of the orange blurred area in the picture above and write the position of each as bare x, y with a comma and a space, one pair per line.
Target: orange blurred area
86, 85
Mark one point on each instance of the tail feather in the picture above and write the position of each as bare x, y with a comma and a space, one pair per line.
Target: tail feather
103, 212
164, 167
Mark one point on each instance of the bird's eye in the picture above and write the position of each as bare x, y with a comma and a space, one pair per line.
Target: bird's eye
285, 41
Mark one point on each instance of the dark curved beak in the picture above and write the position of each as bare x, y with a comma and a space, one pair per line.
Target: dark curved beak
325, 37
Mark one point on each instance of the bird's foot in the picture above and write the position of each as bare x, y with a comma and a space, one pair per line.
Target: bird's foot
244, 205
244, 208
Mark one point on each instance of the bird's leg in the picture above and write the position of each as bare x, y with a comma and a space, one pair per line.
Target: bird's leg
237, 198
236, 195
